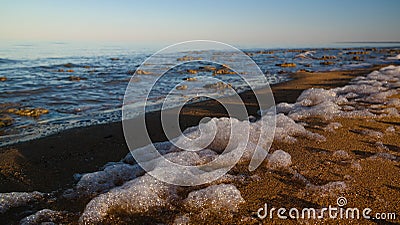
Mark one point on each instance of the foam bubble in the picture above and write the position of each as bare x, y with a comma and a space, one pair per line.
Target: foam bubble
141, 196
279, 160
220, 199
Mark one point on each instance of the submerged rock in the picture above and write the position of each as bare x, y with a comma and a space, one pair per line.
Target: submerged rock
6, 121
326, 57
327, 63
208, 68
28, 111
93, 184
188, 58
68, 65
223, 71
192, 71
358, 53
286, 65
181, 87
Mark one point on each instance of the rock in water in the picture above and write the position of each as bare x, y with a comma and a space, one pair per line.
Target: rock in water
44, 216
223, 200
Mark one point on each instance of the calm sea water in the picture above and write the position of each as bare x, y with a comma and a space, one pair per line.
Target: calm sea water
43, 75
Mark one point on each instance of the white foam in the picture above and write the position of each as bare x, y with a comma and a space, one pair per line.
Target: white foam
394, 57
390, 129
279, 160
329, 189
287, 130
19, 199
363, 97
341, 155
356, 166
182, 220
220, 199
92, 184
44, 216
331, 127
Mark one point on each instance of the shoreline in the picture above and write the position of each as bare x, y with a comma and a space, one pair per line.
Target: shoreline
29, 166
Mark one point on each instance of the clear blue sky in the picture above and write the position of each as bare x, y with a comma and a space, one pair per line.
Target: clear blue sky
169, 21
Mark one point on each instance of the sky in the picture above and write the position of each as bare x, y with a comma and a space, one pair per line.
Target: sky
236, 22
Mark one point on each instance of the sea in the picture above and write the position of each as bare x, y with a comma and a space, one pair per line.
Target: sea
83, 84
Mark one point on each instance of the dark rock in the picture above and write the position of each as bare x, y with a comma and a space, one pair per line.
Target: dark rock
6, 121
75, 78
208, 68
142, 72
326, 57
327, 63
182, 87
188, 58
68, 65
191, 71
357, 53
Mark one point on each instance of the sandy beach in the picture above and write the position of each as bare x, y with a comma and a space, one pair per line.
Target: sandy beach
48, 164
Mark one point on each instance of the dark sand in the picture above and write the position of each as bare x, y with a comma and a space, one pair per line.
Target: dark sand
49, 163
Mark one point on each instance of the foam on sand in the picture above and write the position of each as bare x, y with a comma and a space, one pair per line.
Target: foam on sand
367, 96
123, 188
44, 216
221, 200
20, 199
142, 196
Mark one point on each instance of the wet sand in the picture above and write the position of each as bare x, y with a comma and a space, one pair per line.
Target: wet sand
49, 163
